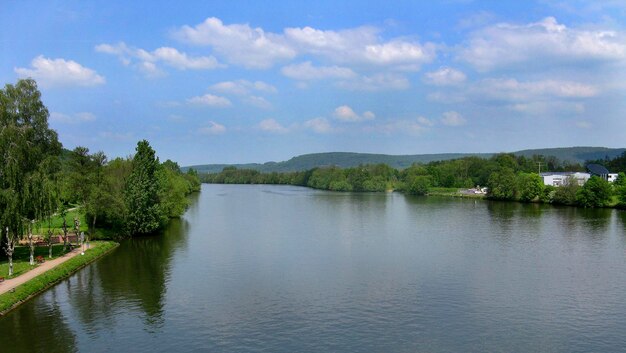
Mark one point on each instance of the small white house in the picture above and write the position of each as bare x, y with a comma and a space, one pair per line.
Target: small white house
562, 178
612, 177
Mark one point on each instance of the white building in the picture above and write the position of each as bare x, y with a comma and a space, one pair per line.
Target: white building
612, 177
562, 178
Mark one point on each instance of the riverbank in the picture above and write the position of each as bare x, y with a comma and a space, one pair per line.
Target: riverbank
16, 291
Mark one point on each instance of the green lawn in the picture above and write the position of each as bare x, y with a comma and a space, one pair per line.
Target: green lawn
21, 259
57, 223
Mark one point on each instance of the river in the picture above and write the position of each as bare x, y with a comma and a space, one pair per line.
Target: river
261, 268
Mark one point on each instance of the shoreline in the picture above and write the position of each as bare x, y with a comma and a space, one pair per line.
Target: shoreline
436, 193
15, 296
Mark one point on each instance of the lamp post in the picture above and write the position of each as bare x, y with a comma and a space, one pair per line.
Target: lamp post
82, 243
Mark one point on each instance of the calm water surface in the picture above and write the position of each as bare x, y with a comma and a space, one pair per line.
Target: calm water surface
287, 269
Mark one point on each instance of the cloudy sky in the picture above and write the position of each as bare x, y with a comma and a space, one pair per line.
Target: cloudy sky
252, 81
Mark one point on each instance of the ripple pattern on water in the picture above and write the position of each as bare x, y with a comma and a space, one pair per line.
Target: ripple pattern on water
286, 269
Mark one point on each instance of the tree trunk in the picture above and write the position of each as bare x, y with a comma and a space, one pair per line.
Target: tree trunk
64, 236
31, 246
93, 230
50, 235
77, 229
9, 250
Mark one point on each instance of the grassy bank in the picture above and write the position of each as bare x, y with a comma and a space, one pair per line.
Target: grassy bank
453, 192
10, 300
21, 259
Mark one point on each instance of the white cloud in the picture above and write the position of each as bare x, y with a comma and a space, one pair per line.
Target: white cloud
377, 82
361, 45
147, 61
541, 43
210, 100
242, 87
258, 102
181, 61
212, 128
271, 125
513, 90
548, 107
251, 47
319, 125
306, 71
407, 55
117, 49
149, 69
326, 43
72, 118
238, 43
424, 121
453, 118
60, 72
445, 76
346, 114
583, 124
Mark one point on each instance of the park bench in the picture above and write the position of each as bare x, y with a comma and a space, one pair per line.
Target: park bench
1, 279
40, 259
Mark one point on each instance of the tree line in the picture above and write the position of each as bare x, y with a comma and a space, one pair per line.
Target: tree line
507, 177
39, 179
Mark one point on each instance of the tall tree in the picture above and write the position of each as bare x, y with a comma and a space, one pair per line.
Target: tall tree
502, 185
595, 193
145, 214
26, 142
530, 186
99, 193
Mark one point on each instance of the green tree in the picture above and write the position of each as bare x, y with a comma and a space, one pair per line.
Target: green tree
173, 192
595, 193
79, 175
502, 185
116, 174
419, 185
26, 143
566, 193
101, 197
621, 196
530, 186
145, 214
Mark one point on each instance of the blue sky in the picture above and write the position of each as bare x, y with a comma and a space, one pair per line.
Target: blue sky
251, 81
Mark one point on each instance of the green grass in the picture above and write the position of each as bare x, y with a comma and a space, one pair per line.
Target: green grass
452, 192
447, 190
57, 223
36, 285
21, 259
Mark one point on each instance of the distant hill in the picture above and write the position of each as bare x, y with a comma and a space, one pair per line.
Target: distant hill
349, 159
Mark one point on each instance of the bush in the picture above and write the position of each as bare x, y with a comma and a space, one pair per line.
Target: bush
419, 185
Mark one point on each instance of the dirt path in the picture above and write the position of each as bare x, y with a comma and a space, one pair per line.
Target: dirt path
9, 284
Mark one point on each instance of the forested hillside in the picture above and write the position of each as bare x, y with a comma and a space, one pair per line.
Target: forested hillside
346, 159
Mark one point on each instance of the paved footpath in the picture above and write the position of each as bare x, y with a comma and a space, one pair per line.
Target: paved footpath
9, 284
